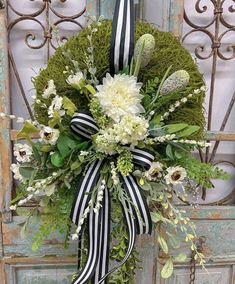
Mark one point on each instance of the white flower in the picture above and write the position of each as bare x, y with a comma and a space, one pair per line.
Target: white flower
50, 90
175, 175
15, 168
22, 152
20, 120
197, 91
13, 207
75, 79
120, 96
154, 172
2, 114
84, 153
184, 100
49, 135
22, 202
56, 106
74, 237
129, 131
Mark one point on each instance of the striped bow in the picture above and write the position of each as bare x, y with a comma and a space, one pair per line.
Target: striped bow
135, 209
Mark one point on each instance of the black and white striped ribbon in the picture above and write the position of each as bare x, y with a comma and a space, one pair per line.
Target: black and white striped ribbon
135, 209
123, 35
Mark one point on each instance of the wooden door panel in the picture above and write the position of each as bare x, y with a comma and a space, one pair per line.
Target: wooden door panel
217, 274
39, 271
18, 244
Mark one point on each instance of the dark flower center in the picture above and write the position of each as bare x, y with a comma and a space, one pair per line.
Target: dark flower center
22, 153
176, 176
47, 135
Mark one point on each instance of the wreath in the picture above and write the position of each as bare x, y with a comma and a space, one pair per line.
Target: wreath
117, 124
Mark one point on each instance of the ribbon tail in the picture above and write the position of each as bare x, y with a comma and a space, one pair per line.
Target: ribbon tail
141, 210
128, 211
103, 260
123, 35
94, 233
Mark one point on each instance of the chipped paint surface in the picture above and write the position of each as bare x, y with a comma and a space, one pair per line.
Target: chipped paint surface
5, 153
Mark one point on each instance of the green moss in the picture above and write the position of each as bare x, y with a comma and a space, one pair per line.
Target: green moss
168, 52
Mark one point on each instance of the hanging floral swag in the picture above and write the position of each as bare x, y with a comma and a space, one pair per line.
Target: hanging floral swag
120, 157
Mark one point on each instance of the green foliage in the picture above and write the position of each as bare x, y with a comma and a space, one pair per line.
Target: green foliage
202, 173
124, 163
98, 113
168, 49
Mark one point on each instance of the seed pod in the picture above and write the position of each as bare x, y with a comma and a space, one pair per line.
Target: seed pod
144, 47
176, 82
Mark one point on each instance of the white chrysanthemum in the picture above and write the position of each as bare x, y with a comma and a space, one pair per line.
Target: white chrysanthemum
175, 175
130, 130
49, 135
120, 96
154, 172
15, 168
75, 79
56, 106
50, 90
22, 152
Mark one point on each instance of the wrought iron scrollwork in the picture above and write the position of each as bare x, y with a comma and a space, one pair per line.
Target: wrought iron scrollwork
46, 17
2, 5
216, 30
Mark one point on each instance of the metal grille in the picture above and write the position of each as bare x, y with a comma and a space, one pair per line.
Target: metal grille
217, 29
46, 16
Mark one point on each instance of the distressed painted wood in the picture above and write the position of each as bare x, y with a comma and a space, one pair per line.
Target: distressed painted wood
50, 270
216, 274
5, 149
20, 245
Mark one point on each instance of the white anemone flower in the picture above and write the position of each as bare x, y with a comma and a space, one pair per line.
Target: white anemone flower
15, 168
56, 106
175, 175
154, 172
74, 80
49, 135
22, 152
50, 90
120, 96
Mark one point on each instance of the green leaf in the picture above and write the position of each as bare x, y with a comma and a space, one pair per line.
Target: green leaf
167, 269
27, 172
57, 160
169, 152
155, 217
191, 129
163, 244
46, 148
27, 129
91, 89
69, 106
63, 145
55, 120
174, 242
182, 257
75, 165
173, 128
156, 119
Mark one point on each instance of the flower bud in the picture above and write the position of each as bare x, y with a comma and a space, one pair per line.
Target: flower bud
147, 43
175, 82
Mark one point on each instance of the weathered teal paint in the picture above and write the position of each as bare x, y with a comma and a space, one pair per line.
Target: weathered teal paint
5, 151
